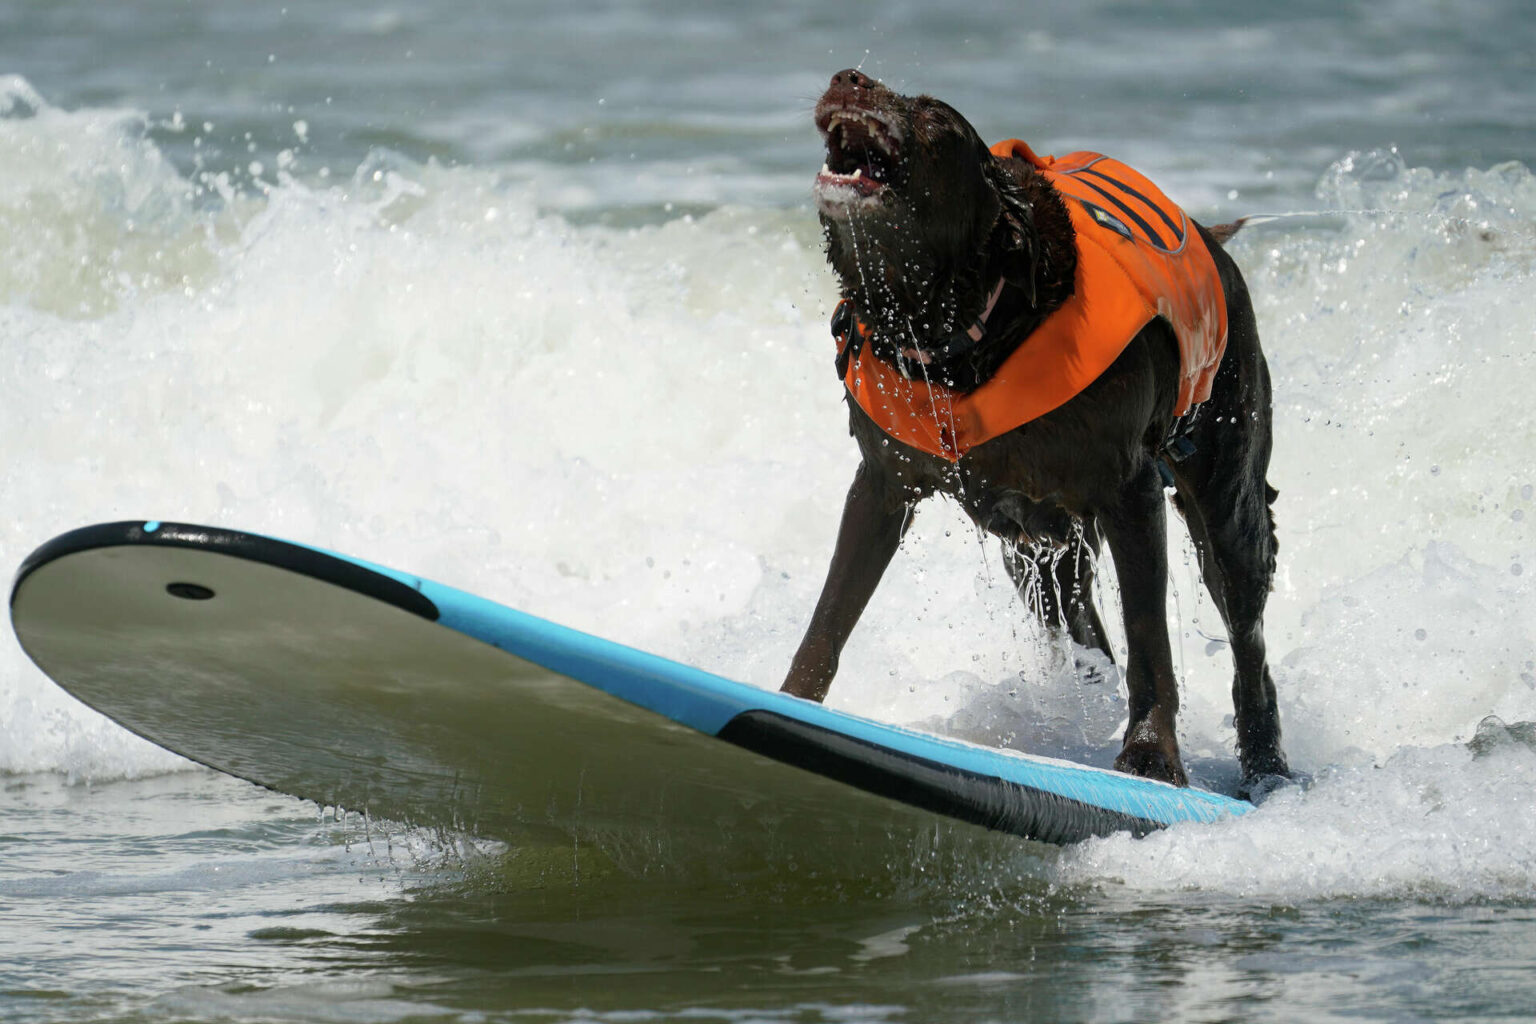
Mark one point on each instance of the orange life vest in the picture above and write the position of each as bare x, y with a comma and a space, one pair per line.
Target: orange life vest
1138, 257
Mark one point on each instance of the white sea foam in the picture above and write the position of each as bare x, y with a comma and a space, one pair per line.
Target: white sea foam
1432, 822
638, 432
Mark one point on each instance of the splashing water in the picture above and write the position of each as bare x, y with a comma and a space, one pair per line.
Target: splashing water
638, 432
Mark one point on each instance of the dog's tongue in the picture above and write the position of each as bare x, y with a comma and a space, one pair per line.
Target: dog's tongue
859, 181
864, 183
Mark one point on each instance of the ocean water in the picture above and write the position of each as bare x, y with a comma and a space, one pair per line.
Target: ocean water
530, 300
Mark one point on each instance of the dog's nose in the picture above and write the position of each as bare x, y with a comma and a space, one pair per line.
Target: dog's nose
851, 77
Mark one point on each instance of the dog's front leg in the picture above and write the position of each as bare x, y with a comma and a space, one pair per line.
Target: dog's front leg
1136, 529
874, 518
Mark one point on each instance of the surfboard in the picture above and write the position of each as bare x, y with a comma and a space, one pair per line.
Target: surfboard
361, 687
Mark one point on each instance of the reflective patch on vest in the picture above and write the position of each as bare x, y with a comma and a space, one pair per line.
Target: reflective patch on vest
1106, 219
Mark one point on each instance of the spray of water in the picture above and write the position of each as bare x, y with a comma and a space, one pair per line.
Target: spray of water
638, 432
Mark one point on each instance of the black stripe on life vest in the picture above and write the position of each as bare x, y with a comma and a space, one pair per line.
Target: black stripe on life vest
1178, 232
1125, 208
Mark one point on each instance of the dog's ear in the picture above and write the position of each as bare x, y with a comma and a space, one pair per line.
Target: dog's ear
1016, 234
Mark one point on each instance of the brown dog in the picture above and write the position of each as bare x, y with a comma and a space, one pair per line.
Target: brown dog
962, 271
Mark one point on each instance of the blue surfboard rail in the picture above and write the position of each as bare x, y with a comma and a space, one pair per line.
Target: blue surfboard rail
1032, 796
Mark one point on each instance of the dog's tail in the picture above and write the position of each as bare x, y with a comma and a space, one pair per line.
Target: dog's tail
1223, 232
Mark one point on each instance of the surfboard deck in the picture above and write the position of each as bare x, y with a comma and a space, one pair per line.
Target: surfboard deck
361, 687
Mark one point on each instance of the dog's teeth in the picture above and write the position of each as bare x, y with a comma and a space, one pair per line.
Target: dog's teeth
881, 131
858, 173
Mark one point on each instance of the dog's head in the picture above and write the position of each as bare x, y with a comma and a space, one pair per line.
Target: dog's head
898, 166
922, 221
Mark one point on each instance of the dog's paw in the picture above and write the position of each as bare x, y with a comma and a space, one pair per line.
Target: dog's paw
1151, 761
1258, 788
1264, 764
1264, 773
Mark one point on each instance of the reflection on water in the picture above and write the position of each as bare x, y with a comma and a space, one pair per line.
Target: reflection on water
265, 911
1021, 954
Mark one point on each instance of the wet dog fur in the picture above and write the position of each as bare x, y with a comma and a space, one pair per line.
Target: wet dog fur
920, 221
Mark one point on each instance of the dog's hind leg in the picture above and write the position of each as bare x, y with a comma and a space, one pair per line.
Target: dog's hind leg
1233, 530
1226, 503
1057, 585
1136, 529
874, 519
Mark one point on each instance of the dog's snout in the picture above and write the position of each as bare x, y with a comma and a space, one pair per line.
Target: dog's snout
852, 78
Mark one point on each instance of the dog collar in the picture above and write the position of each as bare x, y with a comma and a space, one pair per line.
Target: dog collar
959, 342
851, 331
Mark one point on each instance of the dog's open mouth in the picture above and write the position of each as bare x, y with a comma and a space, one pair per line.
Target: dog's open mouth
863, 156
